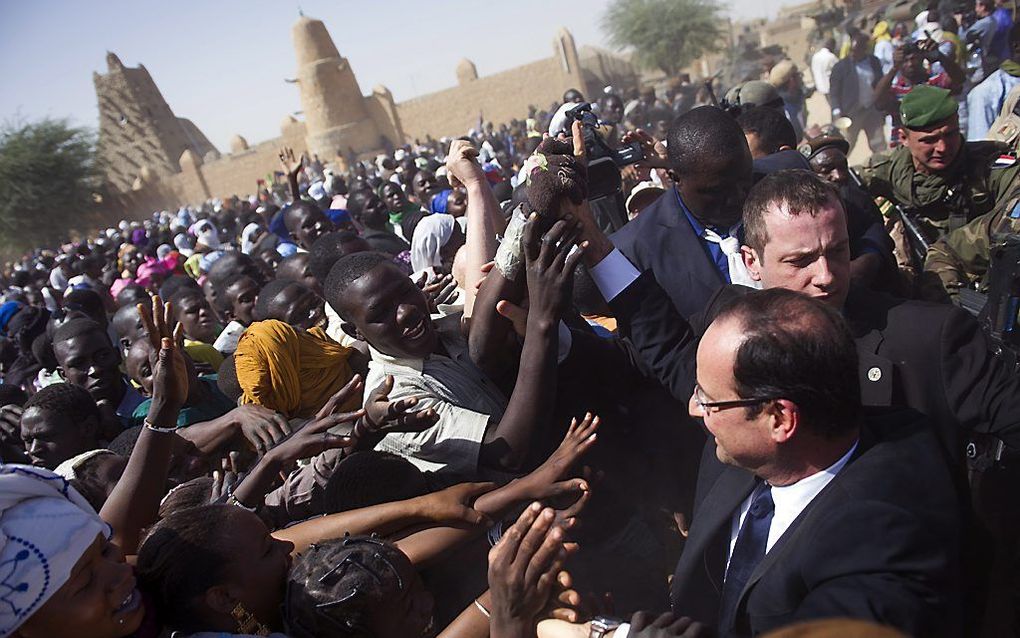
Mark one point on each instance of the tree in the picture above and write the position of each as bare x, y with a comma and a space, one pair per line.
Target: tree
48, 174
665, 34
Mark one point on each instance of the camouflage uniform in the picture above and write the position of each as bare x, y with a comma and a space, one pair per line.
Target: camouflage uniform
961, 257
946, 201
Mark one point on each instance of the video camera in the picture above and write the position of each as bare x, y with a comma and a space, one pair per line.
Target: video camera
604, 162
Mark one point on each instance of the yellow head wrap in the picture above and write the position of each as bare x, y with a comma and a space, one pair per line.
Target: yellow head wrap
291, 371
881, 31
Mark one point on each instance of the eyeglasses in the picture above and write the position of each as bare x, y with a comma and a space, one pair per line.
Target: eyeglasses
706, 406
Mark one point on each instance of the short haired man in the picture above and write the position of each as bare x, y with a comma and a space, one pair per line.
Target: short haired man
804, 510
851, 93
305, 223
478, 429
688, 237
985, 101
797, 239
767, 131
942, 180
59, 422
87, 359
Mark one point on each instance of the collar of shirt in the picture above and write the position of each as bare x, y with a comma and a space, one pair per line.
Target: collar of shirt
790, 500
713, 249
455, 347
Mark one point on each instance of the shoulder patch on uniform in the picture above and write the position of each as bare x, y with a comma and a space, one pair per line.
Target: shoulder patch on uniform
1015, 213
1004, 160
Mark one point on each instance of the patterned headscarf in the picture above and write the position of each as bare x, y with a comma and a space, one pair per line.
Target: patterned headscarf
45, 527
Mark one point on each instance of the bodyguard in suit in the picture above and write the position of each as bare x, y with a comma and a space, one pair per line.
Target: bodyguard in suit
932, 358
690, 237
804, 510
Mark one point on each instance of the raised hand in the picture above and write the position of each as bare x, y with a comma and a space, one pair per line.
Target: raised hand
12, 448
291, 165
550, 266
462, 164
169, 374
438, 289
547, 481
383, 415
523, 567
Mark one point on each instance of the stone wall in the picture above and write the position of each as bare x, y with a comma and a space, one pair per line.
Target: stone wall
506, 95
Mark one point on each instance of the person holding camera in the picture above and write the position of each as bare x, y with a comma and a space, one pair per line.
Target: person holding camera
916, 63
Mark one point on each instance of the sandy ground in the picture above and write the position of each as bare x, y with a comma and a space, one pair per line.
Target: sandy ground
819, 113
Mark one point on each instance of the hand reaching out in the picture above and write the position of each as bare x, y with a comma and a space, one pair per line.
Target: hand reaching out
453, 505
263, 428
644, 625
315, 437
523, 568
383, 415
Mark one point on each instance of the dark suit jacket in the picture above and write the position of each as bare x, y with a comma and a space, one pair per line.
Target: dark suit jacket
661, 240
844, 91
879, 542
932, 358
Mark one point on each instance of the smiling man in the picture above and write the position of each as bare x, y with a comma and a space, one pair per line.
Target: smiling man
478, 430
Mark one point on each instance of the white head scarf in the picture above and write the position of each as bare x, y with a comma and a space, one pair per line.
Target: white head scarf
205, 232
431, 234
249, 236
183, 246
45, 527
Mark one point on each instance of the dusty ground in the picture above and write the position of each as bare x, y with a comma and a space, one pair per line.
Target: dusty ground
819, 113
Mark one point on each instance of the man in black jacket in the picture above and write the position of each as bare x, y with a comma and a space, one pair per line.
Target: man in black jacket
804, 511
852, 85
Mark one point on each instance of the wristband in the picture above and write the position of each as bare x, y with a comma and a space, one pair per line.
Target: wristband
232, 500
149, 425
495, 533
481, 608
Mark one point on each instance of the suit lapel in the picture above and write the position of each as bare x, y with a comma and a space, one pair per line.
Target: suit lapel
714, 515
685, 254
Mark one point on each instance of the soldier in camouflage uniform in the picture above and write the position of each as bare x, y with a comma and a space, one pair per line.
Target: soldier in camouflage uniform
942, 180
960, 259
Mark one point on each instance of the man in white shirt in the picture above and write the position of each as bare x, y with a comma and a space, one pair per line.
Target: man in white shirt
805, 509
821, 66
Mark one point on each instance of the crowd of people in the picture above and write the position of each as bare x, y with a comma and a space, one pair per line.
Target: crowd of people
460, 390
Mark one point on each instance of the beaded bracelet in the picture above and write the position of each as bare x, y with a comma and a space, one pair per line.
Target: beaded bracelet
151, 426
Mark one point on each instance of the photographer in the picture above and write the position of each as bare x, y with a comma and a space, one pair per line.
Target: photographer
916, 63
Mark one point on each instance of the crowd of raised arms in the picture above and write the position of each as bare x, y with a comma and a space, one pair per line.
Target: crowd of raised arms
459, 390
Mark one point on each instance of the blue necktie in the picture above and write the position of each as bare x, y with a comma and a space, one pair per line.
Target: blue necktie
748, 551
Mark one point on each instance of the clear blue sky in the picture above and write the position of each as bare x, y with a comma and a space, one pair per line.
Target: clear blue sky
221, 63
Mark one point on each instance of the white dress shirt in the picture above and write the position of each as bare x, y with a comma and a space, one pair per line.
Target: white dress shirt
790, 501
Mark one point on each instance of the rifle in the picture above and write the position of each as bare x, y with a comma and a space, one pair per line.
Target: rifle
919, 243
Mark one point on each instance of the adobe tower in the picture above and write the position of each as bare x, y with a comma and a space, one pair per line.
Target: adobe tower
339, 119
138, 132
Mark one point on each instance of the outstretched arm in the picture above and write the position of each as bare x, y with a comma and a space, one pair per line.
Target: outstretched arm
134, 502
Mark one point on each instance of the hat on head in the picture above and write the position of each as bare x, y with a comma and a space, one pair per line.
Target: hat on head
925, 105
815, 145
754, 93
782, 72
643, 192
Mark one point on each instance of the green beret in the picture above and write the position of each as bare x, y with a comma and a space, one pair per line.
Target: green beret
926, 105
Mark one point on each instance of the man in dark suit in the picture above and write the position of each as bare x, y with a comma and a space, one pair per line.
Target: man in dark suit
690, 235
852, 85
929, 357
803, 511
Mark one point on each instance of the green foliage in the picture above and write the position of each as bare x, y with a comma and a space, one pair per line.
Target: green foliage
665, 34
48, 175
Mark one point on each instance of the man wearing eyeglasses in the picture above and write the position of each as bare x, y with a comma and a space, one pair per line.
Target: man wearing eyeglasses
806, 510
